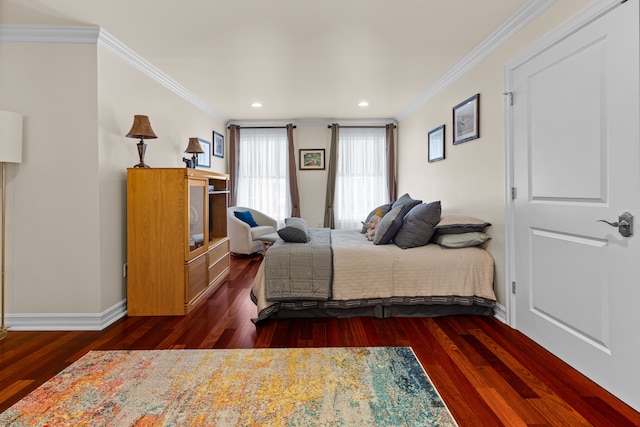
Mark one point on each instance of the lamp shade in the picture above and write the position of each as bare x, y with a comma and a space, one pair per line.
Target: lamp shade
141, 128
194, 146
10, 137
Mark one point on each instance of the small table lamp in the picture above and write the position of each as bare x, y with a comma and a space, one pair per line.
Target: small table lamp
141, 129
10, 151
195, 149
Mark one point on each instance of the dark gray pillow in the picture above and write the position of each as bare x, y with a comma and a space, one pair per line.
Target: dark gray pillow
407, 202
418, 225
296, 231
456, 224
389, 226
383, 211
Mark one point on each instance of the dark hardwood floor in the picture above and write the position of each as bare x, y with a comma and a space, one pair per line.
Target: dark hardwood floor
487, 373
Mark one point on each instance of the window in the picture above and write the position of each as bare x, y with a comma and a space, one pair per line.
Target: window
361, 175
263, 182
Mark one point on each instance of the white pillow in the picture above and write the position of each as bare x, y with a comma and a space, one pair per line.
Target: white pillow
462, 240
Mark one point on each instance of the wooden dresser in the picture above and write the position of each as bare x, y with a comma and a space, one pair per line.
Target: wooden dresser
177, 244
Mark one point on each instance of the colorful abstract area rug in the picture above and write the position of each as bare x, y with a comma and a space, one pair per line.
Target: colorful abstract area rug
365, 386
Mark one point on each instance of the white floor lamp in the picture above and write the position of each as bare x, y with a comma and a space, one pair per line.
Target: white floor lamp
11, 152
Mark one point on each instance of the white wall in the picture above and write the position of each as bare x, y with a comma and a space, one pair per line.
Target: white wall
471, 178
312, 184
54, 209
67, 201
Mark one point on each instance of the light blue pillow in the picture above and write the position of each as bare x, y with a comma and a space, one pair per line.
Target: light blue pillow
246, 216
296, 221
389, 226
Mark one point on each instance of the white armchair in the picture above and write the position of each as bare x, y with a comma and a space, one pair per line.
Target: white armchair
243, 238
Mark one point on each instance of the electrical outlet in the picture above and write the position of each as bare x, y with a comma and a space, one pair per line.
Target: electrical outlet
125, 266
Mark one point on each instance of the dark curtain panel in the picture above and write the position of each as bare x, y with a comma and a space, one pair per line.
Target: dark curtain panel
293, 179
391, 162
329, 221
234, 147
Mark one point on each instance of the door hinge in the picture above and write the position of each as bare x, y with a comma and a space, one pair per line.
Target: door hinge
513, 287
514, 193
510, 95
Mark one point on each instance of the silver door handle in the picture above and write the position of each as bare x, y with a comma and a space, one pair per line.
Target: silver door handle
624, 224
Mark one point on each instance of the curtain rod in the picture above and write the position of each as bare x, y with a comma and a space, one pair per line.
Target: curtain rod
263, 127
362, 127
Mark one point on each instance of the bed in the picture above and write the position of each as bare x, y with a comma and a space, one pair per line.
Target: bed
384, 280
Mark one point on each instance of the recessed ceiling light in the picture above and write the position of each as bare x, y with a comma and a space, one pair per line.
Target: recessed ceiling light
363, 104
256, 105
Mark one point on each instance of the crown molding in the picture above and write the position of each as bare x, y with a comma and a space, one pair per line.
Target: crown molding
49, 34
499, 36
109, 42
99, 36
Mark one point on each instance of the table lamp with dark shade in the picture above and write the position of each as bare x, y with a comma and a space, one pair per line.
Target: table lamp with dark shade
141, 128
195, 149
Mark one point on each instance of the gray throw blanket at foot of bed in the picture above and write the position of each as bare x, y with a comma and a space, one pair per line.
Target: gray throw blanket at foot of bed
300, 271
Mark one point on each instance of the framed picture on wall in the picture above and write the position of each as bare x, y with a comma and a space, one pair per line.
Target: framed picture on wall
312, 159
466, 120
204, 159
218, 144
436, 144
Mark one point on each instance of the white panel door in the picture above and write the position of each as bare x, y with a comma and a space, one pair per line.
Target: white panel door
576, 159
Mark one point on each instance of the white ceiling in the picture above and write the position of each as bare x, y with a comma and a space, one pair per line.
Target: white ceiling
301, 59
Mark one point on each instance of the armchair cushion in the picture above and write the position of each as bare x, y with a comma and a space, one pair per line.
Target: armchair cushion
259, 231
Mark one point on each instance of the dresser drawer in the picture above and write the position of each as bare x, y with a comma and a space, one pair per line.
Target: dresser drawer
216, 269
215, 253
196, 280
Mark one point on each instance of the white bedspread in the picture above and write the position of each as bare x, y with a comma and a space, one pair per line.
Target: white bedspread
364, 270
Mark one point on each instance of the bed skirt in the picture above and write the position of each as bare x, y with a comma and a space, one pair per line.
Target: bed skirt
380, 308
382, 312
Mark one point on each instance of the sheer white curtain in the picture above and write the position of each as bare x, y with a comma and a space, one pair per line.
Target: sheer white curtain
361, 176
263, 182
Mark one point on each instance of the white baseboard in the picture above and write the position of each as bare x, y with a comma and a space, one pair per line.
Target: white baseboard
66, 321
501, 313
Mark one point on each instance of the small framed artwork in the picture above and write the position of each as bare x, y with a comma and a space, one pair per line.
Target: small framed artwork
204, 159
466, 120
312, 159
436, 144
218, 144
